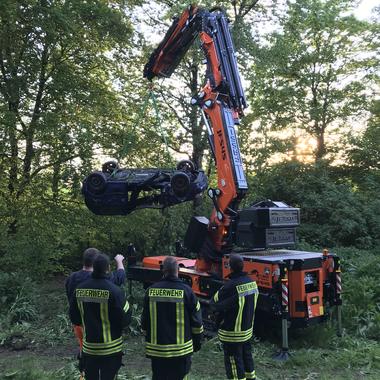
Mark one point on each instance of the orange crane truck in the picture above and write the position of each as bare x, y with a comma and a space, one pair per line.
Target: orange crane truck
297, 288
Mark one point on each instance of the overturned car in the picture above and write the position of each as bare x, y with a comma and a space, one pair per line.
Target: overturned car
117, 191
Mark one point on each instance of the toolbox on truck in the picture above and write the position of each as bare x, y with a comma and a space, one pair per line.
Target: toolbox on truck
267, 224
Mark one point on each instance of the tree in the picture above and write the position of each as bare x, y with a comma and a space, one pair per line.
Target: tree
58, 78
309, 74
363, 158
184, 124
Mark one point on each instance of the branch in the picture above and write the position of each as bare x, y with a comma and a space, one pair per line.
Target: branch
179, 118
26, 181
249, 7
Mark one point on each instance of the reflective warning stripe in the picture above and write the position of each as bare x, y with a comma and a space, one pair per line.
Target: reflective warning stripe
235, 333
234, 339
198, 307
153, 321
103, 348
108, 351
216, 296
234, 336
106, 328
250, 375
169, 350
169, 354
285, 299
180, 323
233, 368
104, 345
338, 281
240, 314
197, 330
168, 347
80, 307
254, 309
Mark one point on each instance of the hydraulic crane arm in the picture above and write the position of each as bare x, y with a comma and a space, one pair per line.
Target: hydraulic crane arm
213, 31
222, 102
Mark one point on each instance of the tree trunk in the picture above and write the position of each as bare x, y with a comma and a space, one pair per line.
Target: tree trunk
30, 131
13, 160
321, 147
55, 180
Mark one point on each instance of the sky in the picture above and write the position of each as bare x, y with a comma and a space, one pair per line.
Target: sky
363, 12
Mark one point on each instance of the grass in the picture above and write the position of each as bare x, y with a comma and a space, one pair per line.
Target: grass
45, 348
337, 358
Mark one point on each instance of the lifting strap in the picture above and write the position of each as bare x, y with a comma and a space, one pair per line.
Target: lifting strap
141, 115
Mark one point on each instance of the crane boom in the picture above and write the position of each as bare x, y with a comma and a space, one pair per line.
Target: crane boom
222, 102
297, 287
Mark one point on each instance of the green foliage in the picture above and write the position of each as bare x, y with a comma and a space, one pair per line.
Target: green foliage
333, 213
61, 231
29, 370
71, 92
17, 309
361, 297
309, 74
74, 92
135, 325
17, 301
353, 355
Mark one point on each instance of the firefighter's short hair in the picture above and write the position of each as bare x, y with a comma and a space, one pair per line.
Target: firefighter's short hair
101, 265
89, 256
236, 263
170, 266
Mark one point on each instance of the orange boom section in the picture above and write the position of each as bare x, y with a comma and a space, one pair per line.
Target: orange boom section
221, 101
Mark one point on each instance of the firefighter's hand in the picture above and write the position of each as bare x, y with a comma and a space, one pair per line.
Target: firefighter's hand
119, 261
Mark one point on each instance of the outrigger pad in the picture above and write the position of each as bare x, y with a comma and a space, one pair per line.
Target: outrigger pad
116, 191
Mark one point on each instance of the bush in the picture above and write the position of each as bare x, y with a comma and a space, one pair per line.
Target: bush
361, 292
333, 213
17, 301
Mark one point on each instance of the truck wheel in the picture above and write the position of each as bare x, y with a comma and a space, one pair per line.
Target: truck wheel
109, 167
186, 166
96, 182
180, 183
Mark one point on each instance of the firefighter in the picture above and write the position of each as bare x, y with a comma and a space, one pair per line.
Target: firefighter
75, 278
235, 304
100, 308
117, 277
172, 322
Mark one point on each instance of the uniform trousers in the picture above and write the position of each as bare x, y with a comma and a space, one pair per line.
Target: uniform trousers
238, 361
171, 368
101, 367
